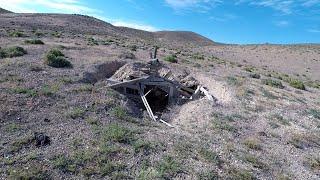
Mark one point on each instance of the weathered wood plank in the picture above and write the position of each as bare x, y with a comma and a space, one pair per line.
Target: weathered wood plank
127, 82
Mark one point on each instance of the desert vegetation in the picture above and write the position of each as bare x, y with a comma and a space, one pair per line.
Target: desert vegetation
263, 124
34, 41
11, 52
55, 58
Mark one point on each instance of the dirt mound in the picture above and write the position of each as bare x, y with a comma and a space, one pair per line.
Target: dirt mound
219, 90
193, 115
101, 71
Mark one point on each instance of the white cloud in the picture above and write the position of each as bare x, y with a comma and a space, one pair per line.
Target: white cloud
309, 3
199, 5
60, 6
223, 18
134, 25
282, 23
283, 6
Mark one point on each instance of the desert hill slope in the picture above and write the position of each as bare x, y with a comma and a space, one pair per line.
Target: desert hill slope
59, 120
3, 11
78, 24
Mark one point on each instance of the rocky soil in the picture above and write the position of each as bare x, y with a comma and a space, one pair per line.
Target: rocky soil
264, 125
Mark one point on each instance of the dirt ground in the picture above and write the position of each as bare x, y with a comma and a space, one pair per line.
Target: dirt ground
264, 124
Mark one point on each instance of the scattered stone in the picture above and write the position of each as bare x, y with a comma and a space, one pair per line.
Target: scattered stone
46, 120
41, 139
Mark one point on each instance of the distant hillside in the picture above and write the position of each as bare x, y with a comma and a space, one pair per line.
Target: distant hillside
3, 11
79, 24
184, 37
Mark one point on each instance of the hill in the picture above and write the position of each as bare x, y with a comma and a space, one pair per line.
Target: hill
3, 11
183, 37
60, 120
78, 24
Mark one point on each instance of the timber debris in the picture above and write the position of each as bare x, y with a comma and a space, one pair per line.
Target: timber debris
154, 85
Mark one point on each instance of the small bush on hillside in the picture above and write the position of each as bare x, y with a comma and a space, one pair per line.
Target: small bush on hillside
92, 41
117, 133
56, 34
249, 69
171, 58
12, 52
119, 112
168, 167
297, 84
253, 144
16, 34
55, 58
255, 76
314, 113
314, 163
273, 83
33, 41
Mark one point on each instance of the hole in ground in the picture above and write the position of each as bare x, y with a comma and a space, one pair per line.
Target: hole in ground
157, 98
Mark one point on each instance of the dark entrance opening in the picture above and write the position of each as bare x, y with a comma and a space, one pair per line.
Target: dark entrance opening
157, 98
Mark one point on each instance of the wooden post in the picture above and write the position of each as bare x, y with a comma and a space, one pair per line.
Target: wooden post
155, 52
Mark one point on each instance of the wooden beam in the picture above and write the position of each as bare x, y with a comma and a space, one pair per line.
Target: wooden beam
206, 93
166, 123
187, 89
127, 82
146, 104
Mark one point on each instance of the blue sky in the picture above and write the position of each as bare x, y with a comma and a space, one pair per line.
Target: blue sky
232, 21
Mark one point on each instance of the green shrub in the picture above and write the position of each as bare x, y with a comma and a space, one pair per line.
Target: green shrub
75, 113
27, 91
273, 83
210, 156
142, 146
92, 41
249, 69
234, 81
33, 172
198, 56
16, 34
119, 112
255, 161
168, 168
38, 34
55, 58
117, 133
64, 163
33, 41
240, 174
110, 167
56, 52
56, 34
171, 58
297, 84
253, 143
314, 113
314, 163
11, 52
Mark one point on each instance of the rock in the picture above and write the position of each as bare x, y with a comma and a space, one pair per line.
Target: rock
41, 139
